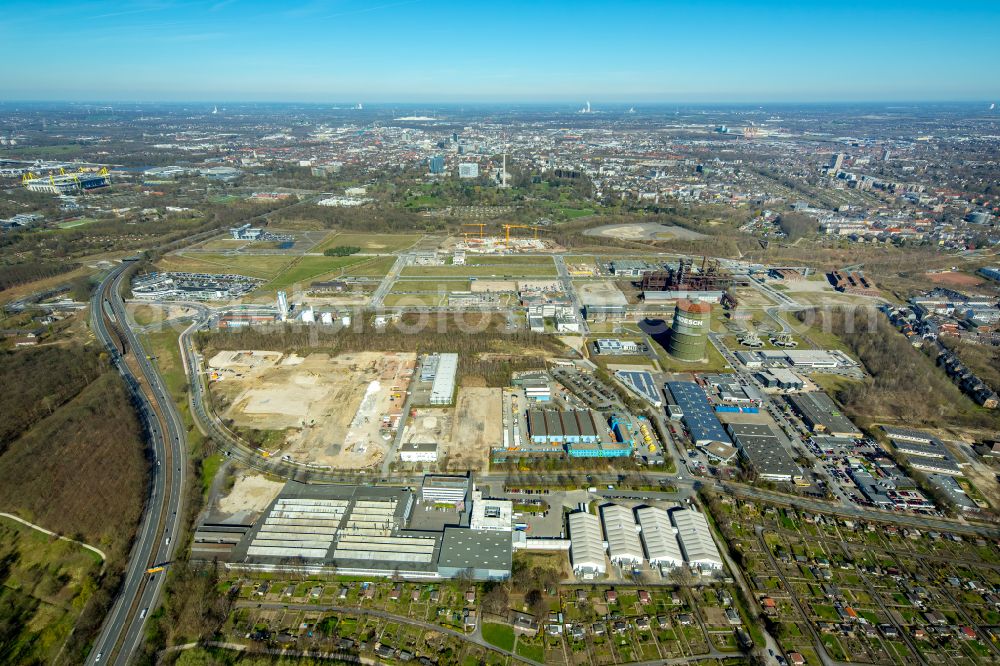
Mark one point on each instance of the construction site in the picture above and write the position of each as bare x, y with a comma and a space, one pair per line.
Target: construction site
338, 412
476, 240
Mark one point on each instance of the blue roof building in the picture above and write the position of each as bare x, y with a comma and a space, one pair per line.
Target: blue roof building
699, 417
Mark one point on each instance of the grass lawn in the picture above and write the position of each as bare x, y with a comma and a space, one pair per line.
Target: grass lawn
70, 224
209, 468
500, 635
413, 299
373, 267
43, 587
266, 267
430, 286
834, 647
830, 383
498, 271
715, 362
307, 269
369, 242
534, 652
603, 360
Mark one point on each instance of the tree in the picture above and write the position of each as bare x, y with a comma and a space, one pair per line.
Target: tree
496, 599
536, 603
681, 575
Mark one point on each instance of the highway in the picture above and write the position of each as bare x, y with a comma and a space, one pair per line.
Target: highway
122, 633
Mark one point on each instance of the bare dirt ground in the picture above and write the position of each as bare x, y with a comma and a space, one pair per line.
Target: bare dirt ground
429, 426
493, 286
984, 479
605, 290
145, 314
244, 360
643, 231
477, 427
251, 493
335, 411
954, 279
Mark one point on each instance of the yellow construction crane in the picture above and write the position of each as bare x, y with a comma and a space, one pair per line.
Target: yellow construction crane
27, 177
481, 226
508, 227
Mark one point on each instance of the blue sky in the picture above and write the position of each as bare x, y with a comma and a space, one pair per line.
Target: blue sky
546, 50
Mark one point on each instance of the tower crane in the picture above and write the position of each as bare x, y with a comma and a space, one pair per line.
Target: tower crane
508, 227
482, 227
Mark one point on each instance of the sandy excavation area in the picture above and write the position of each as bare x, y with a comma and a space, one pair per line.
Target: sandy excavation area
464, 433
251, 494
476, 429
334, 412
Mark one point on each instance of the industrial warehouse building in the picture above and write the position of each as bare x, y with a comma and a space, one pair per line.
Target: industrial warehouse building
586, 552
567, 427
658, 536
416, 452
480, 555
762, 450
360, 531
697, 545
821, 415
622, 535
494, 515
443, 388
696, 413
444, 489
584, 433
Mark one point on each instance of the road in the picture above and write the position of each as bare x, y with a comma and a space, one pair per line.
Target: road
383, 288
567, 284
122, 633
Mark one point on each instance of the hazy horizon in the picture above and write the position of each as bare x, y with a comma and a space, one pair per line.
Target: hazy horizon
437, 51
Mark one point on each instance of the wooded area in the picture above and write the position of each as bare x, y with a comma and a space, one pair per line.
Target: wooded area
73, 462
45, 379
906, 386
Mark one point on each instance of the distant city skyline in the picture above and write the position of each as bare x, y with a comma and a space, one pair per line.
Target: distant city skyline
427, 51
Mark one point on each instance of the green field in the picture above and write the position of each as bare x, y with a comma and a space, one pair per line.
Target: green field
377, 243
308, 269
715, 362
533, 652
414, 299
72, 224
266, 267
498, 271
373, 267
500, 635
44, 584
430, 286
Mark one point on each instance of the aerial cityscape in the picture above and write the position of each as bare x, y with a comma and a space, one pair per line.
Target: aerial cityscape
591, 353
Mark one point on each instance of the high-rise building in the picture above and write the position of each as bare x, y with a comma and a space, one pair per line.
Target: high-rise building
836, 161
437, 164
689, 333
468, 170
